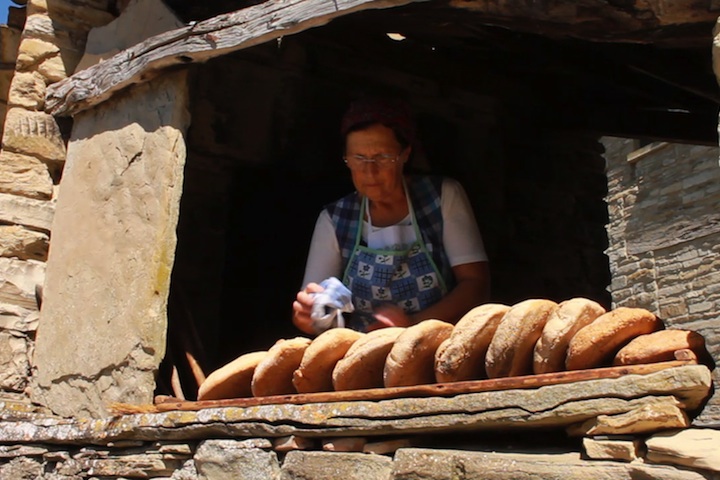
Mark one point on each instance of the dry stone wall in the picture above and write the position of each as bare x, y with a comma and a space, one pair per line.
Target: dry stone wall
256, 459
664, 236
35, 51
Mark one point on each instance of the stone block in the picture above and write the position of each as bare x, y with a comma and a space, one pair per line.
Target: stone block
19, 282
673, 310
58, 67
27, 90
18, 319
113, 248
32, 51
12, 451
41, 26
187, 472
36, 214
700, 307
68, 13
693, 447
225, 459
414, 464
661, 413
14, 361
141, 465
20, 242
612, 448
33, 133
22, 468
334, 466
24, 175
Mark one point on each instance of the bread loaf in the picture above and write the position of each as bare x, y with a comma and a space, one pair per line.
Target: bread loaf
316, 367
660, 346
462, 355
274, 374
232, 380
412, 356
363, 364
511, 350
570, 316
596, 344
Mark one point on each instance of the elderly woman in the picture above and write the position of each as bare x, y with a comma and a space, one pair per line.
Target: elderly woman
407, 246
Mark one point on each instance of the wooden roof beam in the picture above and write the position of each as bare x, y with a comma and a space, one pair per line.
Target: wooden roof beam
197, 43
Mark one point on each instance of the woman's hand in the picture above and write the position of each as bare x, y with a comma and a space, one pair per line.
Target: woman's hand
390, 315
302, 308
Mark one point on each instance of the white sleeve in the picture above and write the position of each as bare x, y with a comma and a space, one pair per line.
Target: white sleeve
324, 259
461, 235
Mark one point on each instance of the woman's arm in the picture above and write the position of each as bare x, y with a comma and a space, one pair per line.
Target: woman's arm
302, 308
323, 261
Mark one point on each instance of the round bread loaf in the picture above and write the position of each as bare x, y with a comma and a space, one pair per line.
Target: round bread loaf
660, 346
232, 380
596, 344
411, 360
274, 374
570, 316
363, 363
511, 349
462, 355
316, 368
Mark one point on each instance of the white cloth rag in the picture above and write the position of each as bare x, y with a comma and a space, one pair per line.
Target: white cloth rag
329, 305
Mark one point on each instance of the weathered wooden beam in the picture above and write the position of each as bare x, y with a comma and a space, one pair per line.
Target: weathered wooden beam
197, 43
663, 21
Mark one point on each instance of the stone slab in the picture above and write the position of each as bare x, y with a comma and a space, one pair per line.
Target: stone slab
414, 464
37, 214
19, 282
693, 447
553, 406
230, 459
25, 176
113, 246
23, 243
334, 466
624, 450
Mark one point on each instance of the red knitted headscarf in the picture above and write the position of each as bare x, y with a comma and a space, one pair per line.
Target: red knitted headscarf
392, 113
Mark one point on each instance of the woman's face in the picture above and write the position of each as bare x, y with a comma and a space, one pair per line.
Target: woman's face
379, 180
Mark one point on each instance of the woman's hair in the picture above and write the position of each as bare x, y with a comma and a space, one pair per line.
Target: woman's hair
392, 113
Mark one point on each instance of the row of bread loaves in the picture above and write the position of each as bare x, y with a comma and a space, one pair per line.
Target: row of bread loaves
491, 341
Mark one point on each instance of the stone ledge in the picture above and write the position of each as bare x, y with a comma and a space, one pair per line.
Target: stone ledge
553, 406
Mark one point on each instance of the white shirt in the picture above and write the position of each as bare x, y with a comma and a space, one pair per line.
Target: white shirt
461, 236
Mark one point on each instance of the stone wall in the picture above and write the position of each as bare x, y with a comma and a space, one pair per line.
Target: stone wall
255, 459
31, 162
664, 234
9, 43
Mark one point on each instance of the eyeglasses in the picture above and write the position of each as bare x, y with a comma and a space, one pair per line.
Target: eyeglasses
382, 160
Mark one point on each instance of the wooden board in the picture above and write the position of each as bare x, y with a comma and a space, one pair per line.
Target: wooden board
432, 390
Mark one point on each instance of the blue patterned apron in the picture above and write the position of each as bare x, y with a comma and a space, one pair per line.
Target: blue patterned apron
408, 278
